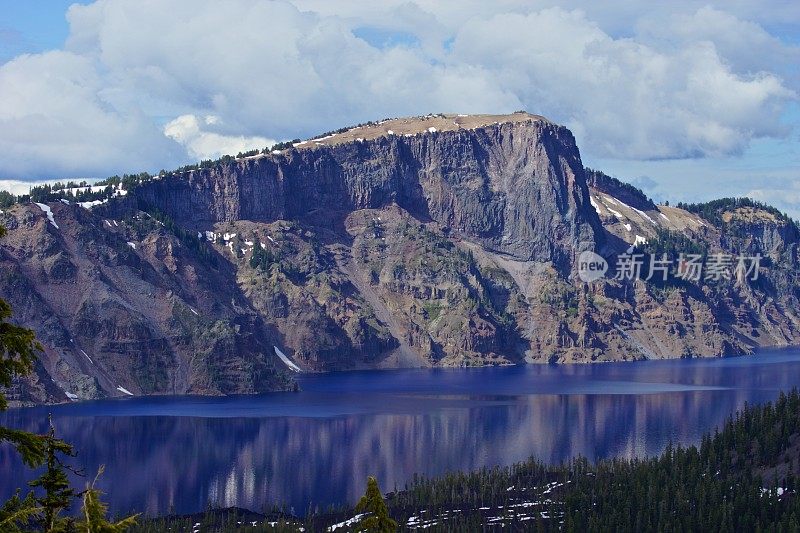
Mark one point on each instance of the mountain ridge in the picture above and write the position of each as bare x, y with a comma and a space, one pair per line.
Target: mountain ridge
450, 247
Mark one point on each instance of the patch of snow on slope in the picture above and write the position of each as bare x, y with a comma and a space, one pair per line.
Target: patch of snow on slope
627, 226
71, 396
63, 201
286, 360
432, 129
93, 203
664, 216
639, 240
616, 213
123, 390
87, 356
639, 212
347, 523
49, 212
594, 204
132, 244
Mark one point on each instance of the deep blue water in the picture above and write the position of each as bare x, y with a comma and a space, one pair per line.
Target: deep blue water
318, 446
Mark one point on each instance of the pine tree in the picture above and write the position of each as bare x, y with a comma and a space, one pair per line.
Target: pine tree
94, 513
57, 495
372, 504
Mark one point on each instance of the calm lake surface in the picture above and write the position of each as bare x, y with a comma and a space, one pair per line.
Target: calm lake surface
318, 446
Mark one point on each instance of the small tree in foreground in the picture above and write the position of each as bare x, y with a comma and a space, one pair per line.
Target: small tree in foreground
94, 513
372, 504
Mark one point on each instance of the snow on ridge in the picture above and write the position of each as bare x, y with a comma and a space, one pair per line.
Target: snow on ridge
49, 212
87, 356
286, 360
347, 523
93, 203
610, 199
616, 213
644, 215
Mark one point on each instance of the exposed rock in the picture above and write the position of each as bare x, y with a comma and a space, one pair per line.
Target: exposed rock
436, 241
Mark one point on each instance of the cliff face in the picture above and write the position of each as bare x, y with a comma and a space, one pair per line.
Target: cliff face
516, 187
435, 241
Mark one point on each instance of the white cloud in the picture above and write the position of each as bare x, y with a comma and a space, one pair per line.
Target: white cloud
191, 132
784, 196
58, 120
127, 92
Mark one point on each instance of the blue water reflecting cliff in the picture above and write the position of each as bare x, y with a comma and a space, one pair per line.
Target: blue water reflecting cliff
317, 447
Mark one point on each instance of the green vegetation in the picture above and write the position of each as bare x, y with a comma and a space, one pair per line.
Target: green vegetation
673, 243
620, 189
713, 210
376, 517
190, 239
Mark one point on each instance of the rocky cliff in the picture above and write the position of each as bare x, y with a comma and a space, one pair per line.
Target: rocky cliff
433, 241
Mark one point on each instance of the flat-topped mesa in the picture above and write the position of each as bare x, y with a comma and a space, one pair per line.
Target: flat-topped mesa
409, 126
513, 183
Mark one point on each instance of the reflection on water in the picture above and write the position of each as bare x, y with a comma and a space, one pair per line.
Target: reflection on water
318, 446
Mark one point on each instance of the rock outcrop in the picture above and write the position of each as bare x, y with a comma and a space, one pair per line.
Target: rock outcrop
435, 241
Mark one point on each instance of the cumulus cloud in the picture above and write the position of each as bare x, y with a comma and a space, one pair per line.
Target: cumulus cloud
57, 119
137, 78
783, 195
191, 132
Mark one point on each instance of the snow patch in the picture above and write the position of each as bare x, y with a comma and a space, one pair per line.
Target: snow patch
390, 132
432, 129
286, 360
594, 204
123, 390
616, 213
132, 244
49, 212
639, 240
627, 226
93, 203
63, 201
664, 216
71, 396
347, 523
87, 356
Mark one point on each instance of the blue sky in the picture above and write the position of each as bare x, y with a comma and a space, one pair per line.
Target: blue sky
689, 100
